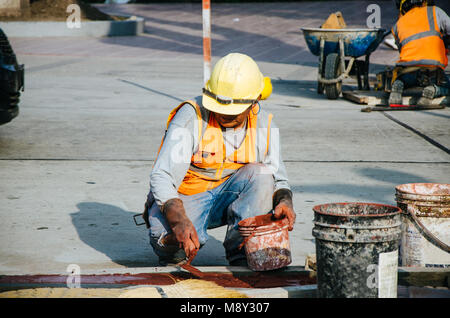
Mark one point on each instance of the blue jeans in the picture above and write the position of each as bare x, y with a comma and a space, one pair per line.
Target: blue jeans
410, 80
248, 192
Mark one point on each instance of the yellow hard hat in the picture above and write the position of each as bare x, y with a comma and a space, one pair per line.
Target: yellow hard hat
267, 88
235, 84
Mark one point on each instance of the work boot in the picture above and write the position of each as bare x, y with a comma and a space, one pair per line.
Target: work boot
239, 262
173, 254
428, 94
172, 260
395, 98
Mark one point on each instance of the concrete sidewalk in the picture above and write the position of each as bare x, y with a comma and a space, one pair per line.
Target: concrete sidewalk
74, 164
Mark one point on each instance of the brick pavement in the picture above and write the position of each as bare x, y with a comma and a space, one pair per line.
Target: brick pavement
268, 32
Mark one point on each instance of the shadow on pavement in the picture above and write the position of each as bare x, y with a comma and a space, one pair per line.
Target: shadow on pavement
362, 192
390, 176
305, 88
435, 114
111, 230
258, 46
262, 31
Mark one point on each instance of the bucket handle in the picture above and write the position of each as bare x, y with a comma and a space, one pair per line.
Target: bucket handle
430, 235
246, 240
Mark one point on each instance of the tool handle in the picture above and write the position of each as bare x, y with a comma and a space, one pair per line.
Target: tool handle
246, 240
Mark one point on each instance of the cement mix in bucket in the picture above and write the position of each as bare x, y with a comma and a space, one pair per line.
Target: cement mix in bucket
266, 242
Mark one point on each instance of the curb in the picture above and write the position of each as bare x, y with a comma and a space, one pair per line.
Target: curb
130, 27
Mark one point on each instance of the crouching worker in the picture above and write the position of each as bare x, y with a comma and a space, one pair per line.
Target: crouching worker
219, 163
419, 34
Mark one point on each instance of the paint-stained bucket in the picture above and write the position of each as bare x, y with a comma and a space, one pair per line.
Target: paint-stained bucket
266, 242
426, 224
357, 249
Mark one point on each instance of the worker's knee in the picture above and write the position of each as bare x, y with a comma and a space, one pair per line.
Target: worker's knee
255, 181
257, 172
158, 223
254, 184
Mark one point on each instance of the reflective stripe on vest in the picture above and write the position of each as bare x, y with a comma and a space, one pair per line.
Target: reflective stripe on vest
210, 166
420, 40
172, 115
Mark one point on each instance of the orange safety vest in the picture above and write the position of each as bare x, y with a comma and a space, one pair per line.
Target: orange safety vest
210, 166
421, 42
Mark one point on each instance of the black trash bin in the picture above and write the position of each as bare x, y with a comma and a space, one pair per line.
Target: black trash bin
357, 249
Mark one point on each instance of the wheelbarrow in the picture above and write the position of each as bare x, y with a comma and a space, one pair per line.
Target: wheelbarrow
338, 50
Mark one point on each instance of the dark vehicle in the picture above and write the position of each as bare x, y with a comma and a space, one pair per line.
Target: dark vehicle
11, 81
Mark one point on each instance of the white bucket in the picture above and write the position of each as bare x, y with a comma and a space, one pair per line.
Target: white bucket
426, 224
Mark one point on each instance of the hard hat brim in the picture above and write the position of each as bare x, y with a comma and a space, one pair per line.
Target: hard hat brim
229, 109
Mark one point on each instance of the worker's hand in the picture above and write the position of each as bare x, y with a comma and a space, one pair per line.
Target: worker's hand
186, 235
183, 230
283, 207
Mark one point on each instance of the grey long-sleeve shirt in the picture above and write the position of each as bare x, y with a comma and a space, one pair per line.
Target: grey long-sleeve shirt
443, 21
181, 142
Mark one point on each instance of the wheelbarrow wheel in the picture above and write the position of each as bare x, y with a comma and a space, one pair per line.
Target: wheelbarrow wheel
332, 71
319, 88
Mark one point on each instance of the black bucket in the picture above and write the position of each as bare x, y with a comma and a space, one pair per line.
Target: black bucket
357, 249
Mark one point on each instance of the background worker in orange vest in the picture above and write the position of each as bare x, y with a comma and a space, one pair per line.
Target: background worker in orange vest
219, 163
419, 34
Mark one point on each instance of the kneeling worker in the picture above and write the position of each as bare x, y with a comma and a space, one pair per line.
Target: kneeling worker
419, 34
219, 163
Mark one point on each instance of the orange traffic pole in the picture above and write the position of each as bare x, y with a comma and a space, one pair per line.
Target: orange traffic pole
206, 15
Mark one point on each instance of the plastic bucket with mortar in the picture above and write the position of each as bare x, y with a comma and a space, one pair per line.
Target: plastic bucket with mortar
357, 249
266, 242
426, 224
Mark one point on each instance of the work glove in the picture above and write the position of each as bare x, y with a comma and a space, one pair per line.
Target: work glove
283, 207
184, 232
